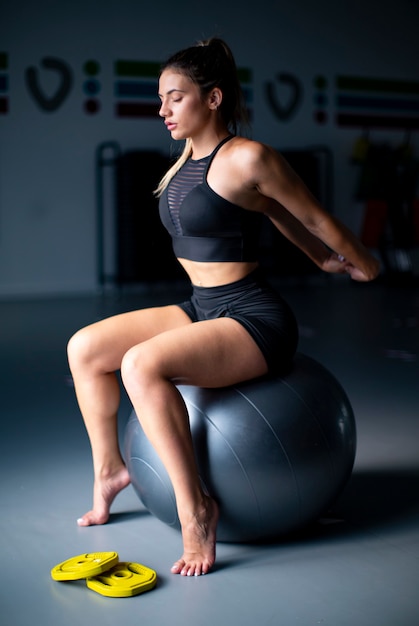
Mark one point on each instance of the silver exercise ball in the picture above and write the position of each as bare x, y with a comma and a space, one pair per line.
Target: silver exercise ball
274, 452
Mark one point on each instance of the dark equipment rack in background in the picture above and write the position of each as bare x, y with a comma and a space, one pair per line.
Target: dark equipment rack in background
129, 230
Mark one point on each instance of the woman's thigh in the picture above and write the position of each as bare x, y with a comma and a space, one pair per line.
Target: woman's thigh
211, 353
105, 342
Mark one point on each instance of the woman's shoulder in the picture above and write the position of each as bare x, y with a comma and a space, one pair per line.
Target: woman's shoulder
244, 144
249, 154
251, 150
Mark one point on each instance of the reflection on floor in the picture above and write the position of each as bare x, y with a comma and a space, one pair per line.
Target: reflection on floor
359, 564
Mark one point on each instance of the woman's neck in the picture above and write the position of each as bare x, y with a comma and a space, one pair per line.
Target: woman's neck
202, 146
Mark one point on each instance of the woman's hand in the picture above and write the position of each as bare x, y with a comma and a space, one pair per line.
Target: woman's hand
337, 264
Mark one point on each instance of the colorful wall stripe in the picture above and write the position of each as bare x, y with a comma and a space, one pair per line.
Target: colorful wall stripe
136, 86
377, 103
4, 83
349, 101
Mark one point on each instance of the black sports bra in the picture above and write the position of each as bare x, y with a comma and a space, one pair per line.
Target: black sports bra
203, 225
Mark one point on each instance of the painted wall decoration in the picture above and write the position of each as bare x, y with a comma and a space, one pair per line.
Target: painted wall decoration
136, 86
284, 110
377, 103
4, 83
92, 86
348, 101
64, 75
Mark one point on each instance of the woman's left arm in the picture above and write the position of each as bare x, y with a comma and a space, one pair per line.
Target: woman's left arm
274, 178
294, 231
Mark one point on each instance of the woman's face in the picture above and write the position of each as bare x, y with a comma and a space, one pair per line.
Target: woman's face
184, 111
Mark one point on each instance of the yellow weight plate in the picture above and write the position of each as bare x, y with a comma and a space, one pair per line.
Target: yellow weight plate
123, 580
84, 565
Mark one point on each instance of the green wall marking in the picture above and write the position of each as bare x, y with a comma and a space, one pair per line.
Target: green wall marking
359, 83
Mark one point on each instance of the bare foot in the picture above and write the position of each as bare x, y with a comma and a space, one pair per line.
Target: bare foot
104, 493
199, 538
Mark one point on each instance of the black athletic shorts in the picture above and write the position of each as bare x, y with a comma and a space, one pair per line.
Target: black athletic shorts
258, 307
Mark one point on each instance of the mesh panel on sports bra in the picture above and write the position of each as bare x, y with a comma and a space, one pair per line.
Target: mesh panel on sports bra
188, 177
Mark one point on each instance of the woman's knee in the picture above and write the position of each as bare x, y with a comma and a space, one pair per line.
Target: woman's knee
75, 347
139, 367
81, 348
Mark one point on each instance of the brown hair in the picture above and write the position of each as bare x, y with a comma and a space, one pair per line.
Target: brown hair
209, 64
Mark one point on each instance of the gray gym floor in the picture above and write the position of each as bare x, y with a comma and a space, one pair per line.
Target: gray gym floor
357, 565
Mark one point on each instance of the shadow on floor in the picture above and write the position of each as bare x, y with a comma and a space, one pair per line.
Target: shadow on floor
373, 501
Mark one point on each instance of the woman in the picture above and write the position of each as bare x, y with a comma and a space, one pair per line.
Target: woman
235, 327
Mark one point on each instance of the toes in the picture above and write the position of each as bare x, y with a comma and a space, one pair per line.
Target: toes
188, 569
90, 519
178, 567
